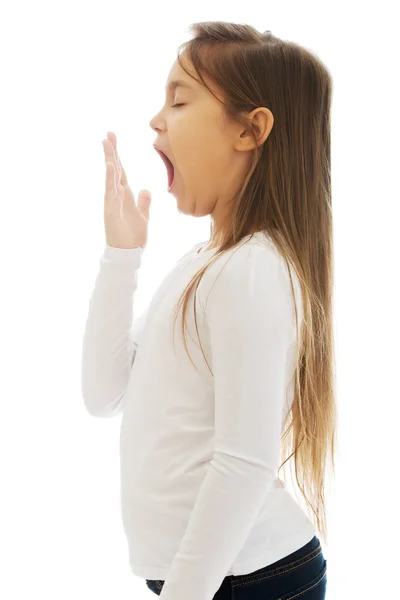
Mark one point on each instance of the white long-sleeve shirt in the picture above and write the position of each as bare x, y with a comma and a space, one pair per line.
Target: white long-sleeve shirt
199, 452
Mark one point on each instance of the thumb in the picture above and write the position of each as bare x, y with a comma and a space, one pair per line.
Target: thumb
144, 201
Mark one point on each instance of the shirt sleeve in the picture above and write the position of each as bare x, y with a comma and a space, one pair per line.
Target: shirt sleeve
109, 340
249, 313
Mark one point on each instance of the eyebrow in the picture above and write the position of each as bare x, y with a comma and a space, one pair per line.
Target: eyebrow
177, 83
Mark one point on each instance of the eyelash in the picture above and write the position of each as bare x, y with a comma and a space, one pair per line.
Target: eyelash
176, 105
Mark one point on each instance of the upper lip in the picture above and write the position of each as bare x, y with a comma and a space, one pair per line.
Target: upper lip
161, 150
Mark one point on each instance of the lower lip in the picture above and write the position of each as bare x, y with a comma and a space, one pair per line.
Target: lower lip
172, 184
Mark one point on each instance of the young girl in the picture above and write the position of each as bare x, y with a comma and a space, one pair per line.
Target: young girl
245, 135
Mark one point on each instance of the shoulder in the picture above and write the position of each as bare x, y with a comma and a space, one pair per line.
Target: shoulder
252, 283
249, 288
254, 267
255, 255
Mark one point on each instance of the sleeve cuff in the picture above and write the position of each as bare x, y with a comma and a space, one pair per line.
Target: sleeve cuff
124, 254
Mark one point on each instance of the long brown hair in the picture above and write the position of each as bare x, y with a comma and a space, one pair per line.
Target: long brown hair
286, 194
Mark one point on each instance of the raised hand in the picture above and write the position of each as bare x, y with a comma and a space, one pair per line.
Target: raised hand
126, 224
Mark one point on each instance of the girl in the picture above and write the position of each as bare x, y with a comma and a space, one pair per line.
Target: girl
245, 135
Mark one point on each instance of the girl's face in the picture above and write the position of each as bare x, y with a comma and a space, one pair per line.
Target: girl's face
209, 156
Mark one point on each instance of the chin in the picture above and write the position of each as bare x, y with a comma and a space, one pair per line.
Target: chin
184, 210
191, 209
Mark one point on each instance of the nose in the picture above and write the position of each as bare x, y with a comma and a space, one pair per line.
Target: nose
153, 125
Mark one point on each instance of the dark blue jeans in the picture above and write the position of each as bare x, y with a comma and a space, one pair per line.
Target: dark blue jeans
300, 575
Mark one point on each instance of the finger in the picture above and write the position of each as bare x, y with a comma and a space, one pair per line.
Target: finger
113, 139
111, 184
144, 201
109, 152
124, 179
110, 157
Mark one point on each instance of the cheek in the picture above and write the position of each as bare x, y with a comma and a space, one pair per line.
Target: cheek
199, 147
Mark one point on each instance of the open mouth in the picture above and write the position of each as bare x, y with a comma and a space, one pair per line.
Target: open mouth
170, 168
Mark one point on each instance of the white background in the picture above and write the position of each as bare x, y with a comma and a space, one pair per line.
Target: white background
70, 72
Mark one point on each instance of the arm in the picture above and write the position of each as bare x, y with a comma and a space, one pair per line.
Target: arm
249, 315
109, 342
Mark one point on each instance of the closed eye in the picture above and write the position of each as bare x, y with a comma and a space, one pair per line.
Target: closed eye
176, 105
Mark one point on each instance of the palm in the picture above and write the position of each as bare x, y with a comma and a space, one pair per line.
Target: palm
126, 223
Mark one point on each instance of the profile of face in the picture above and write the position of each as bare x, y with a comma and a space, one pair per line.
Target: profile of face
210, 154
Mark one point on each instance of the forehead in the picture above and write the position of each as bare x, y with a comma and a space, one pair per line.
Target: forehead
176, 83
178, 78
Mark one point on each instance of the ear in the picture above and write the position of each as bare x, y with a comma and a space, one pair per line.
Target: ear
261, 121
